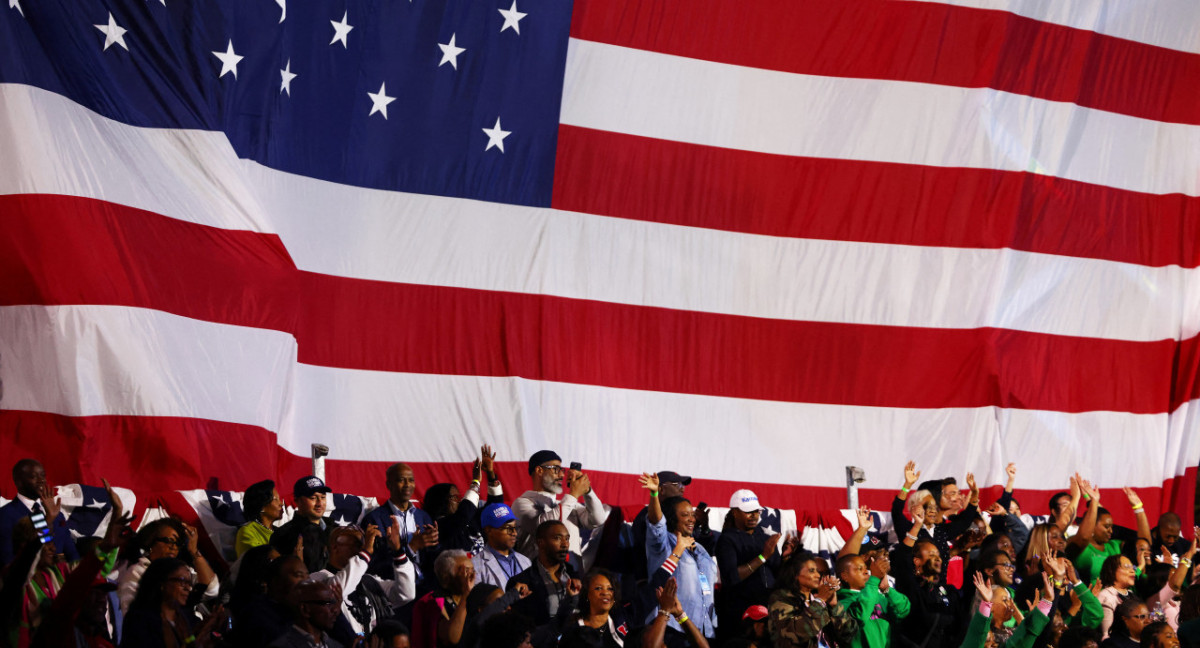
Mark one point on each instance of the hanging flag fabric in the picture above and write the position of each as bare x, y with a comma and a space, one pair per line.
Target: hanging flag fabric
755, 243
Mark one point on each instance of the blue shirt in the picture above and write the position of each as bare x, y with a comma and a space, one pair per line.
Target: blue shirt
695, 567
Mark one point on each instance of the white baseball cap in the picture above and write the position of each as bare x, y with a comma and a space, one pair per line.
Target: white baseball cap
745, 500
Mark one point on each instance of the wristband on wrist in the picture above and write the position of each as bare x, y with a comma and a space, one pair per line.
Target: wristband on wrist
682, 619
912, 537
653, 493
1086, 496
904, 492
761, 559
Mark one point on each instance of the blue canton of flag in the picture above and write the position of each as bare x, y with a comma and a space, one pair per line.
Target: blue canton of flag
347, 509
224, 508
455, 97
84, 520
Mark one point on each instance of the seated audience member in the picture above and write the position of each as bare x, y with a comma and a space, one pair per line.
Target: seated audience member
696, 574
33, 496
670, 485
499, 561
938, 497
1129, 620
1117, 578
917, 568
1167, 598
989, 625
747, 559
307, 528
507, 630
754, 627
262, 507
315, 607
391, 633
552, 581
456, 514
1099, 538
804, 608
418, 534
600, 622
166, 538
366, 598
867, 597
579, 510
267, 616
671, 609
164, 611
1159, 634
440, 616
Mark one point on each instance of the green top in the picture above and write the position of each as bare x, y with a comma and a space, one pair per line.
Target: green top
1090, 559
1023, 637
1091, 613
250, 535
876, 611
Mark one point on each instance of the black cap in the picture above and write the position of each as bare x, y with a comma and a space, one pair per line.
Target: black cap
542, 456
874, 540
668, 476
307, 486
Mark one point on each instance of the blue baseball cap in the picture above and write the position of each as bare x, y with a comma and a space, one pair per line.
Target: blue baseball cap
495, 515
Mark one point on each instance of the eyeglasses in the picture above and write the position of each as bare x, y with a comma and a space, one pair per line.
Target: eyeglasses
551, 468
1006, 565
170, 542
509, 529
184, 582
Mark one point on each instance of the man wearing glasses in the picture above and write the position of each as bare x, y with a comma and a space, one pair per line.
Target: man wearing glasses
579, 509
499, 561
316, 610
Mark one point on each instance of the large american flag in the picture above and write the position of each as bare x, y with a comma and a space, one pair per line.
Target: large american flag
753, 242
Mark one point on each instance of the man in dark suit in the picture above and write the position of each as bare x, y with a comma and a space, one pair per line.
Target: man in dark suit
418, 535
552, 582
33, 496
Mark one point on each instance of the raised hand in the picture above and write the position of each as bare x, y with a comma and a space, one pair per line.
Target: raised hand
995, 509
1011, 470
974, 488
299, 550
649, 481
1076, 491
1093, 492
1052, 566
770, 544
879, 569
370, 536
667, 599
1047, 587
193, 539
918, 515
864, 517
792, 543
828, 589
983, 585
580, 484
50, 505
1167, 556
393, 533
1134, 500
426, 536
487, 459
476, 471
683, 543
911, 474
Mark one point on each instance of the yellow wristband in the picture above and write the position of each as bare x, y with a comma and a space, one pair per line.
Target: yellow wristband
682, 619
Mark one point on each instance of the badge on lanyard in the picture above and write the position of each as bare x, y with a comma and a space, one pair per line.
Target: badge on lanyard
705, 586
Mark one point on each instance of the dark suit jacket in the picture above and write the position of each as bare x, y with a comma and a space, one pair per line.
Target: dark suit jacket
381, 557
534, 605
12, 513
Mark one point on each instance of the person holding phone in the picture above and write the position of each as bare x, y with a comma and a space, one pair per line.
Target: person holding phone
34, 496
580, 508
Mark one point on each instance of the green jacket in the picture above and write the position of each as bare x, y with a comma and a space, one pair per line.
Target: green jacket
875, 610
1023, 637
1091, 613
798, 623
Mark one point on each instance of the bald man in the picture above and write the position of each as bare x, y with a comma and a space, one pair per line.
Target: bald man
418, 535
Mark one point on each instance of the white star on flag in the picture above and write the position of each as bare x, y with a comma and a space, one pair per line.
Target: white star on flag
450, 53
512, 18
16, 4
341, 30
496, 136
282, 7
380, 101
95, 503
229, 60
113, 33
341, 521
287, 75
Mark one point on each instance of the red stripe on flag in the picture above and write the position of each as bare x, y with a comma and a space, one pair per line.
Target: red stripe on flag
639, 178
922, 42
61, 250
131, 451
428, 329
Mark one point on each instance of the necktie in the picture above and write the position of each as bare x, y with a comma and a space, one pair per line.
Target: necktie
37, 507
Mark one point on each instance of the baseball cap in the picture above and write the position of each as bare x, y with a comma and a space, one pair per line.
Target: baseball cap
755, 612
744, 500
309, 485
542, 456
495, 515
874, 541
668, 476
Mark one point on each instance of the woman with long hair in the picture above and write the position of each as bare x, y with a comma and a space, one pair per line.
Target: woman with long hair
162, 614
804, 608
165, 538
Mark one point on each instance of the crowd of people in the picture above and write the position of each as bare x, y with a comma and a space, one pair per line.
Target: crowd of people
463, 568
